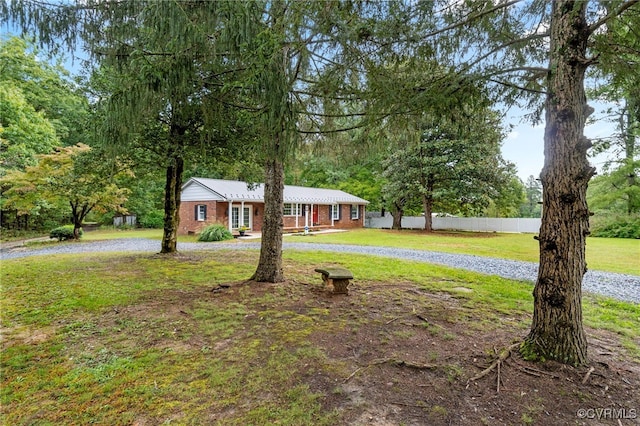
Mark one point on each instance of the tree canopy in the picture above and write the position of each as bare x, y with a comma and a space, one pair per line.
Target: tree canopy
68, 177
40, 108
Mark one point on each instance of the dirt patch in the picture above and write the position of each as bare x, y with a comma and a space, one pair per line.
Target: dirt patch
395, 354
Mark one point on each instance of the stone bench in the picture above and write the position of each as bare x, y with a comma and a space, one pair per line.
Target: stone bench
336, 277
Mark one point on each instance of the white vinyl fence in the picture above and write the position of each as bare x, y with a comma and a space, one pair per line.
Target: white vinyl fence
478, 224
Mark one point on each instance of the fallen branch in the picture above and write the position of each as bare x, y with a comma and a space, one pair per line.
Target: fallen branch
401, 363
422, 318
586, 376
352, 374
498, 385
506, 353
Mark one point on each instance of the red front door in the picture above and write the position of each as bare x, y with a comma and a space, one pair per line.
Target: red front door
314, 215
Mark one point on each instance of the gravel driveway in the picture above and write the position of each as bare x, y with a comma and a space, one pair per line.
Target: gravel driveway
619, 286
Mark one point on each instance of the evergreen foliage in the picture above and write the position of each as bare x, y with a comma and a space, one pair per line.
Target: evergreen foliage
616, 226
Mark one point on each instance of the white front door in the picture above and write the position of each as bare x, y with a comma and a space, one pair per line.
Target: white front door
245, 220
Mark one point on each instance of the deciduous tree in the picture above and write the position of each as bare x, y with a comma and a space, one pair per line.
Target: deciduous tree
67, 176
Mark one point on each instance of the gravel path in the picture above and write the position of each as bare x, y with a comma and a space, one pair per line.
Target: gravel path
619, 286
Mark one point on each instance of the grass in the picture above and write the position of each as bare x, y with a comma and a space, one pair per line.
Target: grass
604, 254
112, 339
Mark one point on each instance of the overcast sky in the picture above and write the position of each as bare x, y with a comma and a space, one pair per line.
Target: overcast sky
524, 145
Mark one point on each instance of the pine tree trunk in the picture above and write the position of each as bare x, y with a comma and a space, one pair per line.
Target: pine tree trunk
630, 155
172, 188
427, 205
556, 331
270, 264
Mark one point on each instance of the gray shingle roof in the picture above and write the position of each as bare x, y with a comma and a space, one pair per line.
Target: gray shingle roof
240, 191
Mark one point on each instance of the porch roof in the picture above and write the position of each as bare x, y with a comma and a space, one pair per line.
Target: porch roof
233, 190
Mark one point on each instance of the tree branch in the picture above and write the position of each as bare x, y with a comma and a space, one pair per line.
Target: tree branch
624, 6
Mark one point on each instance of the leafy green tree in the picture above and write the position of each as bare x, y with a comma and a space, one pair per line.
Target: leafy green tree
511, 194
321, 171
40, 108
507, 44
533, 195
611, 193
165, 72
618, 68
24, 132
67, 176
455, 164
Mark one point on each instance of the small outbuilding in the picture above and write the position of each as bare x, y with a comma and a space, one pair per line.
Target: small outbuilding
239, 205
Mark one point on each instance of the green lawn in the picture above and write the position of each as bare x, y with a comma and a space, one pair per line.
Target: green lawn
143, 339
605, 254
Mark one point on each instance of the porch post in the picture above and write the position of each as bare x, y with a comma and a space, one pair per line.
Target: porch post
295, 206
230, 213
364, 215
242, 214
332, 207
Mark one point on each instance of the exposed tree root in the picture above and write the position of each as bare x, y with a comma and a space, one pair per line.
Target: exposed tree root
394, 362
506, 353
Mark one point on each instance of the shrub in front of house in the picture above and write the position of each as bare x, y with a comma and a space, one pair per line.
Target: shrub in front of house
215, 233
63, 233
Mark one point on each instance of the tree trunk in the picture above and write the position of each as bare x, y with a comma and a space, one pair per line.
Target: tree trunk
556, 331
396, 214
629, 136
270, 264
172, 188
76, 219
427, 205
77, 216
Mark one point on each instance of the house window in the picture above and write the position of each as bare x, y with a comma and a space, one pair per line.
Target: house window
292, 209
355, 211
201, 212
335, 211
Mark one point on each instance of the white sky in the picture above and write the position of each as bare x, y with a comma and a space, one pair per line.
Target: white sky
524, 146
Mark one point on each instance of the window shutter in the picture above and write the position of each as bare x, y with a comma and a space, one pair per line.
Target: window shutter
339, 212
205, 212
196, 213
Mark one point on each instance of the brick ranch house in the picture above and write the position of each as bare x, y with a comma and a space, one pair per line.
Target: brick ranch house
234, 204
